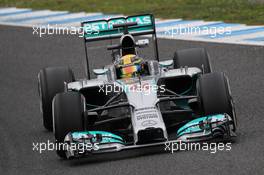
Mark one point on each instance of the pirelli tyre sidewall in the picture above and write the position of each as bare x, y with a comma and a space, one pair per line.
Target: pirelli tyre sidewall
214, 95
50, 82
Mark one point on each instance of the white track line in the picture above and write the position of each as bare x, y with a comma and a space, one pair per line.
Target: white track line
229, 39
44, 21
4, 10
159, 21
239, 38
11, 10
216, 41
233, 28
40, 15
7, 19
197, 35
184, 25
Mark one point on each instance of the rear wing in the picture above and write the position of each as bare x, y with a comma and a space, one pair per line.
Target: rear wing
103, 29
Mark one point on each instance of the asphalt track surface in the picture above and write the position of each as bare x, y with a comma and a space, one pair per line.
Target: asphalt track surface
23, 54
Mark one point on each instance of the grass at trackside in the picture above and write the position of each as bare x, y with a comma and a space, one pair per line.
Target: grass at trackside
238, 11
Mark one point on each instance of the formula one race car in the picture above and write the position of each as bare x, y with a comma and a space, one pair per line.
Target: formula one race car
135, 102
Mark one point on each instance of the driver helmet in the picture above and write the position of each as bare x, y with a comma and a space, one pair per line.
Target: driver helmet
130, 65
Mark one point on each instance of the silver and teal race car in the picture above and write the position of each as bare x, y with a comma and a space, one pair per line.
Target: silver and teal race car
135, 102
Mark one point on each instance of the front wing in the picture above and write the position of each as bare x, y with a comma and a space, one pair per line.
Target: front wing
213, 127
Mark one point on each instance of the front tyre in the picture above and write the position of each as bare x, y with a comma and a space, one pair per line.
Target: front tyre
214, 95
68, 116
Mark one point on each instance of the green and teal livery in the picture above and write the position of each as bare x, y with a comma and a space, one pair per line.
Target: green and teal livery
101, 29
106, 137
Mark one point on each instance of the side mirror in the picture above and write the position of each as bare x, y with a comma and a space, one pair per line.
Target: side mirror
166, 63
100, 71
142, 43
